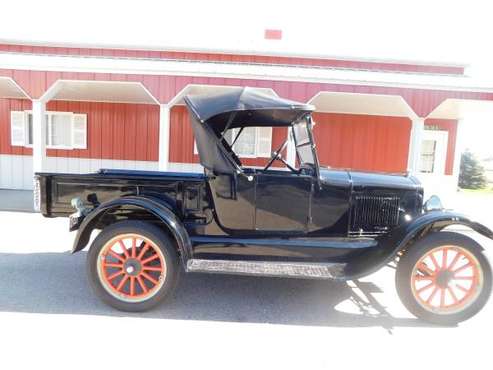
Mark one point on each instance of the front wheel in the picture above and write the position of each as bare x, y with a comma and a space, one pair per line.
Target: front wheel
444, 278
132, 265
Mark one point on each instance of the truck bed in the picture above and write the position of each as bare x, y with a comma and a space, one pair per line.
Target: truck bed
55, 190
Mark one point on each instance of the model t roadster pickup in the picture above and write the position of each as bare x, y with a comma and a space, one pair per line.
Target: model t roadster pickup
296, 220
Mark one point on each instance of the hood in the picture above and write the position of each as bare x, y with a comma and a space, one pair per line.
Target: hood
369, 179
381, 180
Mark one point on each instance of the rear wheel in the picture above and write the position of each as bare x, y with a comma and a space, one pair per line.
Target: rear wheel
132, 265
444, 278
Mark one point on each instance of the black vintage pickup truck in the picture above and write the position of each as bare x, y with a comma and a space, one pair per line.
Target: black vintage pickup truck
299, 221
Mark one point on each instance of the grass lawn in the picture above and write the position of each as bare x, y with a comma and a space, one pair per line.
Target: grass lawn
485, 191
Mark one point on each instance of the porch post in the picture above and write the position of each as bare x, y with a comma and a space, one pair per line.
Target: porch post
415, 139
164, 127
459, 147
39, 136
290, 149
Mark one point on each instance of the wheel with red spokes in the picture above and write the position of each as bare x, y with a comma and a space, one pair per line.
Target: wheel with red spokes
132, 265
444, 278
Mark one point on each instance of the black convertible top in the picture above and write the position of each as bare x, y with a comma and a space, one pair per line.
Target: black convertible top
251, 107
212, 114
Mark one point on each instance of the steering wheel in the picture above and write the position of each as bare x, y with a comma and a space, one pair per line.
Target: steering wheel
276, 155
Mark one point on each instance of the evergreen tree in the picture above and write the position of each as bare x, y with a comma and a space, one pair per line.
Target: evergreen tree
471, 174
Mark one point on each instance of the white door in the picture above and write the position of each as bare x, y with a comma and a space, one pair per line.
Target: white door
433, 152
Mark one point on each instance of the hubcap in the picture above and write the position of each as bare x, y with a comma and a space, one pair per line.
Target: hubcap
447, 279
131, 268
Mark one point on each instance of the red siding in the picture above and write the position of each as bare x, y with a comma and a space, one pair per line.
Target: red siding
451, 127
181, 133
224, 57
373, 143
114, 131
6, 106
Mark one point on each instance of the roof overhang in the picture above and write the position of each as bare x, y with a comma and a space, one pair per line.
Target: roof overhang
462, 108
100, 64
365, 104
197, 89
9, 89
100, 91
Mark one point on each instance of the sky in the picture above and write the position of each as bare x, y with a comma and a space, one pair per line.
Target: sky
437, 31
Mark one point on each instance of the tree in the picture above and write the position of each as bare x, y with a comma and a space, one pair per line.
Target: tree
471, 174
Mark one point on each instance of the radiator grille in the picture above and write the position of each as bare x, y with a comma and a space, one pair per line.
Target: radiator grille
374, 214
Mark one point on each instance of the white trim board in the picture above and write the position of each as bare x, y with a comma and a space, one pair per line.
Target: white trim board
34, 62
235, 51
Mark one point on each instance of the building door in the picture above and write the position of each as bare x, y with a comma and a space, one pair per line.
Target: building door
433, 152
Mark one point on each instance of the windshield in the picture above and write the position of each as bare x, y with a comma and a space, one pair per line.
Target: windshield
304, 143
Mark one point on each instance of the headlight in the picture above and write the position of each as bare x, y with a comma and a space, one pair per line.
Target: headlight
37, 194
433, 204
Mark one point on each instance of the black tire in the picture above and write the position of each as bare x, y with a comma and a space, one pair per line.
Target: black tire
411, 257
159, 238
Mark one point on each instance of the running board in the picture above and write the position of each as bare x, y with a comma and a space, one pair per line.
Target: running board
264, 268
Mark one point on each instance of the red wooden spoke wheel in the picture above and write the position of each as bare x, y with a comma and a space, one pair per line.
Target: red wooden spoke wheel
131, 267
447, 279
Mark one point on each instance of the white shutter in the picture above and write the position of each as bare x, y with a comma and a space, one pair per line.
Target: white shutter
18, 127
264, 141
79, 131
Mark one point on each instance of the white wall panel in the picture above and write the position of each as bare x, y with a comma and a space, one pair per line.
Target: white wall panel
16, 172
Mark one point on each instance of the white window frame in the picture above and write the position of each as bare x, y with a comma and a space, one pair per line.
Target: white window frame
49, 127
441, 148
256, 144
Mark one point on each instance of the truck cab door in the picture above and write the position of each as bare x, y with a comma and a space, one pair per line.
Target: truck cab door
234, 201
282, 201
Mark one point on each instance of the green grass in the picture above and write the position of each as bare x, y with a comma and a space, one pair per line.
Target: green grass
487, 190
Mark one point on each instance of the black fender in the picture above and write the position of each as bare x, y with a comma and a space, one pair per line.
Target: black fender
153, 205
403, 237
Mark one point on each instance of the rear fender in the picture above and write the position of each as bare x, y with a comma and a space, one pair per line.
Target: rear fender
152, 205
403, 238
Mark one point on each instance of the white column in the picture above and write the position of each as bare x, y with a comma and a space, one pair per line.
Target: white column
39, 136
415, 139
290, 149
459, 148
164, 128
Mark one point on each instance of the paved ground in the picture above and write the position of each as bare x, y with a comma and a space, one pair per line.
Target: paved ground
49, 316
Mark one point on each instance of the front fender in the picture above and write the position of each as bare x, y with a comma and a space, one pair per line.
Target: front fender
433, 221
150, 204
402, 237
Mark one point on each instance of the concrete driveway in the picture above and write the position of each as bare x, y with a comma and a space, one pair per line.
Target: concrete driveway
49, 317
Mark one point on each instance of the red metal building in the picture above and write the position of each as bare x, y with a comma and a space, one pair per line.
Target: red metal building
69, 109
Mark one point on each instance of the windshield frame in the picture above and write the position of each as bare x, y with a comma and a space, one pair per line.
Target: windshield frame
311, 142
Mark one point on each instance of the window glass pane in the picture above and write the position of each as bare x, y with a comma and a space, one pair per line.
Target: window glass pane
30, 129
427, 160
245, 145
301, 133
306, 154
61, 130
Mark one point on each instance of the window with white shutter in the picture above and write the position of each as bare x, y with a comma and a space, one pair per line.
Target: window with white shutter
18, 129
60, 130
253, 141
64, 130
79, 131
